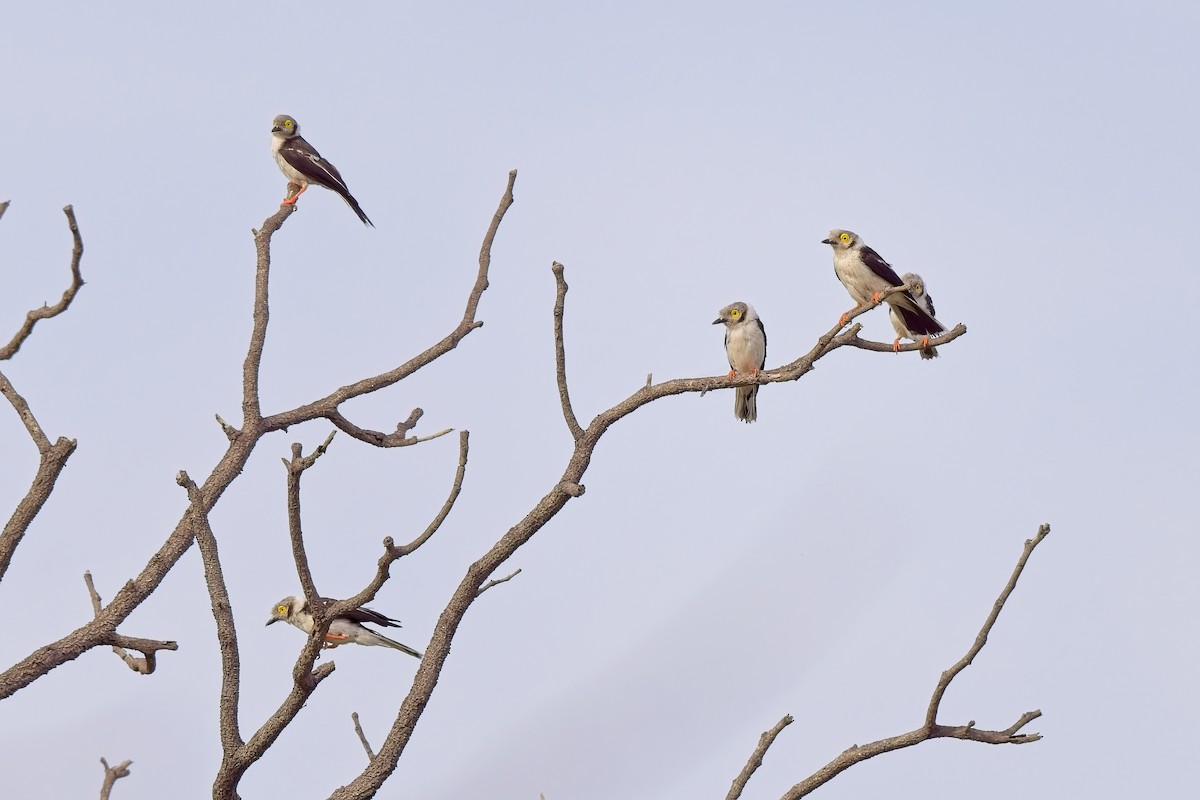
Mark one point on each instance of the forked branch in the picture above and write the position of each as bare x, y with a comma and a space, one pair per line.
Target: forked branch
112, 774
931, 729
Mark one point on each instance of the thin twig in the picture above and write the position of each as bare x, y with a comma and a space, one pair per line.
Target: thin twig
459, 474
497, 582
399, 438
46, 312
756, 758
112, 775
560, 351
362, 737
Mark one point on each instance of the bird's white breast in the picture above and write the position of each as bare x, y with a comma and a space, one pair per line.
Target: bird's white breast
745, 346
859, 279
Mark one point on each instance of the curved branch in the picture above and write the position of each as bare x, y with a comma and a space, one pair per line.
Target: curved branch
756, 758
560, 352
930, 729
330, 403
120, 644
46, 312
399, 438
362, 737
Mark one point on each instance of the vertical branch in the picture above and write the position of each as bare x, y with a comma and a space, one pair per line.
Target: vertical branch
560, 352
251, 406
222, 609
295, 468
46, 312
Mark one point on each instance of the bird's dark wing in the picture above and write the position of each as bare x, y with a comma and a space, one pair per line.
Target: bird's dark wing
305, 159
915, 318
374, 617
929, 304
880, 267
758, 322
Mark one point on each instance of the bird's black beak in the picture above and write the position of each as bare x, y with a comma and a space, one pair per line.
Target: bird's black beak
717, 321
823, 241
276, 129
272, 620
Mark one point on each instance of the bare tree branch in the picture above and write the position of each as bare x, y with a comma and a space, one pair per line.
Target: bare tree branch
329, 403
560, 351
362, 737
52, 460
121, 644
46, 312
296, 468
461, 473
111, 774
497, 582
931, 729
399, 438
756, 758
222, 609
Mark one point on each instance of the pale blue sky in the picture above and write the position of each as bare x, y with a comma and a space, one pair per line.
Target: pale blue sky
1035, 162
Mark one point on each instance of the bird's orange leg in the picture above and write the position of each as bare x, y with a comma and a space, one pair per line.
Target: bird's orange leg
291, 199
896, 345
924, 342
731, 374
842, 318
334, 639
875, 297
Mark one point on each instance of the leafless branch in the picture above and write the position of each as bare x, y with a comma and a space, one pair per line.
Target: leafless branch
560, 351
46, 312
497, 582
52, 460
569, 485
455, 488
931, 729
324, 406
111, 774
100, 631
296, 468
122, 644
222, 609
756, 758
399, 438
362, 737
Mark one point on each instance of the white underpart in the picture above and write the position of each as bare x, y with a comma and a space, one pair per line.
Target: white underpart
859, 279
744, 345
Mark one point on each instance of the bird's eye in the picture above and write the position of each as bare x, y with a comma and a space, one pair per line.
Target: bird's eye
918, 288
845, 237
734, 313
287, 123
282, 609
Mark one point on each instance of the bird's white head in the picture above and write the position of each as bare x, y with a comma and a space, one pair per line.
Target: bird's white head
735, 314
284, 610
285, 127
841, 240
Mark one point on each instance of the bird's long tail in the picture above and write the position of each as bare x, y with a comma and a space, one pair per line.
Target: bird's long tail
383, 640
745, 403
356, 208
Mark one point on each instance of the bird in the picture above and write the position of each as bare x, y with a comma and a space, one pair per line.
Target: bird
746, 349
302, 164
916, 285
866, 275
346, 628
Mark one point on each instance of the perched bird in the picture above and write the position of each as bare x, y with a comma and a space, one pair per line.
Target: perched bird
746, 348
865, 275
302, 164
916, 286
346, 628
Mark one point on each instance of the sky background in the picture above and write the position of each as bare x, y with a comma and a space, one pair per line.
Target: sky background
1036, 162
